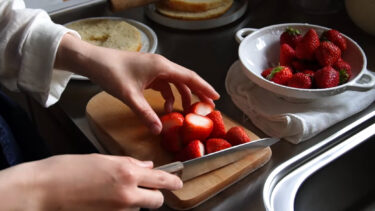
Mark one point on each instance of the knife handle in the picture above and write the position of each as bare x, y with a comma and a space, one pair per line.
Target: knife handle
173, 168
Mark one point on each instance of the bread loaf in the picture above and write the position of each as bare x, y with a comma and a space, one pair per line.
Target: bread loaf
110, 33
189, 15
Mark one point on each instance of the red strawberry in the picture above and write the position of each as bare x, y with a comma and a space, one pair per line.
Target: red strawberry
291, 37
218, 130
335, 37
327, 77
194, 149
300, 80
172, 140
171, 120
266, 72
216, 144
237, 135
200, 108
287, 54
344, 69
196, 127
280, 75
310, 73
306, 47
327, 53
300, 65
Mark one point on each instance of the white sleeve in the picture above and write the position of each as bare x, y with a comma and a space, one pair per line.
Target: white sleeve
28, 45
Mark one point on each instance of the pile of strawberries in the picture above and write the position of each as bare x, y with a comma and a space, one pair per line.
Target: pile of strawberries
309, 61
201, 131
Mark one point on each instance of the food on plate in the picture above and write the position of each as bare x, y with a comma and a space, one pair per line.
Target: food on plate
216, 144
200, 131
314, 62
110, 33
193, 9
237, 135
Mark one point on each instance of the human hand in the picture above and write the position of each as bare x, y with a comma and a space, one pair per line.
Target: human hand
85, 182
126, 74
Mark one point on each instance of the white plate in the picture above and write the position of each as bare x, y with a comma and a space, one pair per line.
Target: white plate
148, 36
235, 12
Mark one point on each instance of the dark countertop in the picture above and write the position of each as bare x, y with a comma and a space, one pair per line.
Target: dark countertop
210, 53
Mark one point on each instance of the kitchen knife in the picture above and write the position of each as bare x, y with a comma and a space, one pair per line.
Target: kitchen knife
198, 166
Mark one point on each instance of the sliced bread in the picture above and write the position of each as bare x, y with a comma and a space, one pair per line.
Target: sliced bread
192, 5
186, 15
110, 33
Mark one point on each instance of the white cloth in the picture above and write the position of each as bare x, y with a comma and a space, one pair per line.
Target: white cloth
28, 44
295, 122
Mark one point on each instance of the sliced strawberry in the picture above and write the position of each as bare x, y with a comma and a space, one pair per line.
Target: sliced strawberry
327, 77
171, 140
287, 55
218, 130
216, 144
171, 120
306, 47
194, 149
237, 135
196, 127
200, 108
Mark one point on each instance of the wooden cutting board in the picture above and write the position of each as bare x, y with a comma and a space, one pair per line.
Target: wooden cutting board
121, 132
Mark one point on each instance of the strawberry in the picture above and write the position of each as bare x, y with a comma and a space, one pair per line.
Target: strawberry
218, 130
309, 73
344, 69
300, 80
266, 72
335, 37
327, 77
196, 127
237, 135
280, 74
287, 54
172, 140
200, 108
171, 120
194, 149
306, 47
300, 65
216, 144
327, 53
290, 36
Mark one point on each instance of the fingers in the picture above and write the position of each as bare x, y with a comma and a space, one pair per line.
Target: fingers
185, 95
151, 178
166, 92
147, 198
140, 106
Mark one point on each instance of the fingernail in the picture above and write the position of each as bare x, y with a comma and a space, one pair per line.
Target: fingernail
180, 184
148, 163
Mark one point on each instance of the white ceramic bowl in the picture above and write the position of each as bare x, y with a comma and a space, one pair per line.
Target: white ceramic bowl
259, 49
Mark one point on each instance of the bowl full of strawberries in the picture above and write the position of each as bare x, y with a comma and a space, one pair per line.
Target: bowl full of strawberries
303, 61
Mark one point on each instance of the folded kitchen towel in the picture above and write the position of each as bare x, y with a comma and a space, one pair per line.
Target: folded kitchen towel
295, 122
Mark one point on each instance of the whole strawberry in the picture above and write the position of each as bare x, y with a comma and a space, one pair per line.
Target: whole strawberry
309, 73
305, 49
291, 37
279, 74
216, 144
218, 130
327, 53
335, 37
237, 135
327, 77
344, 69
300, 80
287, 54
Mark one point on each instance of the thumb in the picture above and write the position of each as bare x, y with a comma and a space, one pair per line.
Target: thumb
140, 106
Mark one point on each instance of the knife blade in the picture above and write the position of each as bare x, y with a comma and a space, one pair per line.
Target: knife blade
195, 167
